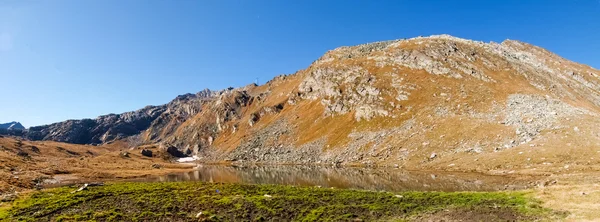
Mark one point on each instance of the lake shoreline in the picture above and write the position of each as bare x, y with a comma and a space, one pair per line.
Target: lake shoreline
385, 179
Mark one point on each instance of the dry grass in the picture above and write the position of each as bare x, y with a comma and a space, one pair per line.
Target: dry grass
582, 201
23, 163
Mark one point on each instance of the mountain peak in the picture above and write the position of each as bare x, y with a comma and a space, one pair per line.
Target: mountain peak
12, 126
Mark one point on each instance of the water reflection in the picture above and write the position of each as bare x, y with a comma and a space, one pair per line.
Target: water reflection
357, 178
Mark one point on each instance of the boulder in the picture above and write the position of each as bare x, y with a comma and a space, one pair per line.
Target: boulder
22, 153
175, 152
35, 149
433, 156
146, 152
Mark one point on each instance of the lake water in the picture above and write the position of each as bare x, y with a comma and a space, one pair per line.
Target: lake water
388, 179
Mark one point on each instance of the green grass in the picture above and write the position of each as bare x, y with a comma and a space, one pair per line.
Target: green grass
182, 201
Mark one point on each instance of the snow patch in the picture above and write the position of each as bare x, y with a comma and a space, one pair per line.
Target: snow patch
188, 159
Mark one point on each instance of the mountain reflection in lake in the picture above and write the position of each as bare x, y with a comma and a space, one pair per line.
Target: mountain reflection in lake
355, 178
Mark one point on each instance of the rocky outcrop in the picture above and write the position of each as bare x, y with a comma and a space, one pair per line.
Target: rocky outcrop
201, 130
344, 90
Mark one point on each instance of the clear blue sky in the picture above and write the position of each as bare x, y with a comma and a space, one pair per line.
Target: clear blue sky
76, 59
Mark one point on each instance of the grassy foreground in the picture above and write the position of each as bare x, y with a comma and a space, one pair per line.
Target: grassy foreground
194, 201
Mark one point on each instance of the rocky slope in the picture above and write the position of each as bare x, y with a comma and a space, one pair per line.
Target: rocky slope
426, 102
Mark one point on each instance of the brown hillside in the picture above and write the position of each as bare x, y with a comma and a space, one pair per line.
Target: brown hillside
427, 102
27, 164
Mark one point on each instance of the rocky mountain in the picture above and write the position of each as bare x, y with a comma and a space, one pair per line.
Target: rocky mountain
437, 102
12, 126
156, 120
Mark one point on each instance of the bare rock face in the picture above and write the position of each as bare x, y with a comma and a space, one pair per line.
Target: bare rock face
176, 112
344, 90
216, 117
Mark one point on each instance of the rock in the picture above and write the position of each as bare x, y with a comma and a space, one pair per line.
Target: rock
548, 183
35, 149
210, 140
124, 154
146, 152
476, 149
8, 197
22, 153
188, 151
156, 166
82, 188
433, 156
85, 186
396, 166
175, 152
253, 119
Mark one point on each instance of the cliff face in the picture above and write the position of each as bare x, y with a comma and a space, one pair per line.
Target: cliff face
426, 101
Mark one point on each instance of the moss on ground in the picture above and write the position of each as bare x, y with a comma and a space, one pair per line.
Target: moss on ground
184, 201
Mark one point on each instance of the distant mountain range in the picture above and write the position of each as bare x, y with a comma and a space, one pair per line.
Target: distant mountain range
12, 126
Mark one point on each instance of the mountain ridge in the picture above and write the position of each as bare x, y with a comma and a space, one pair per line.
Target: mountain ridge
420, 102
14, 125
